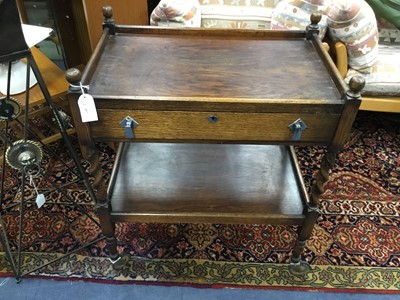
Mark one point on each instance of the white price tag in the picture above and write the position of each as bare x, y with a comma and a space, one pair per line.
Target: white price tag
40, 200
87, 108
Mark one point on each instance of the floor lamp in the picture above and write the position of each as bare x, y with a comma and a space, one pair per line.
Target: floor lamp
25, 155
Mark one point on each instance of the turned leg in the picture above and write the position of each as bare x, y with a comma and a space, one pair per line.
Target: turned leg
91, 154
297, 266
104, 208
108, 229
102, 203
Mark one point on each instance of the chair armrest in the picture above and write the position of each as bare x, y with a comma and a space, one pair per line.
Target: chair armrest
340, 54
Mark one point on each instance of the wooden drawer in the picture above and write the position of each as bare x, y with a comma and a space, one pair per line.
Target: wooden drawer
213, 126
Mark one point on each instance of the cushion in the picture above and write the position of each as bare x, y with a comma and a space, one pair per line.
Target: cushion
242, 14
383, 78
295, 14
176, 13
353, 22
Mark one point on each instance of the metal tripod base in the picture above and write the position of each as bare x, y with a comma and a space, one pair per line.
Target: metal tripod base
16, 264
7, 251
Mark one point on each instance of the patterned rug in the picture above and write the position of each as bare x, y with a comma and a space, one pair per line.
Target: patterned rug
355, 245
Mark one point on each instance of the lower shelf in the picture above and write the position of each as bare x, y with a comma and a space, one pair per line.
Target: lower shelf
209, 183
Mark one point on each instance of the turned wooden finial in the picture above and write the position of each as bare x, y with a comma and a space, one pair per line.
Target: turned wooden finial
107, 12
108, 22
313, 28
356, 85
315, 18
74, 77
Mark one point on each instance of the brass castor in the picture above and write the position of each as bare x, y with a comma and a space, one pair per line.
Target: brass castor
120, 262
300, 268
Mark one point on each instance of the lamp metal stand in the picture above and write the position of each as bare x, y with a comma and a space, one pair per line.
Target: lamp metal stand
25, 155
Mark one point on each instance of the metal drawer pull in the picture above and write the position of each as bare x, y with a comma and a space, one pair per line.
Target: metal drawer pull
212, 119
129, 124
297, 127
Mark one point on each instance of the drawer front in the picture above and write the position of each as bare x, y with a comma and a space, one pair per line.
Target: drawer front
219, 126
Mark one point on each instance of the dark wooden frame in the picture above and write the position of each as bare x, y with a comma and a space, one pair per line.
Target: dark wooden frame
340, 109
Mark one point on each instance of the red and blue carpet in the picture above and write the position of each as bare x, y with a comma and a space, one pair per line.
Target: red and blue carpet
354, 247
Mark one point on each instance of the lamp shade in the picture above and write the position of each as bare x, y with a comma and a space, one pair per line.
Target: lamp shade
19, 38
18, 77
11, 36
35, 34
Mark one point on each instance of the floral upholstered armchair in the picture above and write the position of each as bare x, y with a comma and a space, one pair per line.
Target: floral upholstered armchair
350, 27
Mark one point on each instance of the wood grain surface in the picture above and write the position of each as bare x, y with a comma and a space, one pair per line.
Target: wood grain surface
205, 183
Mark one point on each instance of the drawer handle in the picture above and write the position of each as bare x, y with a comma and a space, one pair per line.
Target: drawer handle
129, 124
212, 119
297, 127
